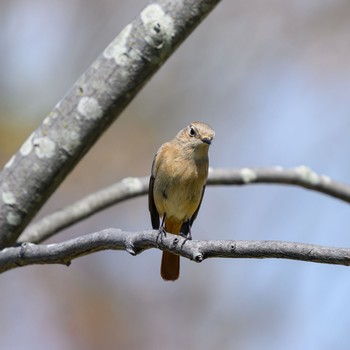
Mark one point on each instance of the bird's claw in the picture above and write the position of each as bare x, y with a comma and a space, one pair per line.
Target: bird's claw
188, 237
161, 233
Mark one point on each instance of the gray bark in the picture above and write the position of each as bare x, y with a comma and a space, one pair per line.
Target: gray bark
132, 187
136, 242
92, 104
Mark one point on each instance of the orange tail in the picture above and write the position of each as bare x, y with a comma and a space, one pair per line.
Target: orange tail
170, 267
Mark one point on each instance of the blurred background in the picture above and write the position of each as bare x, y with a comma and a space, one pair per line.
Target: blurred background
272, 77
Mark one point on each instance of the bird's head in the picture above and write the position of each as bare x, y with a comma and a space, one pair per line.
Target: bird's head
197, 135
195, 140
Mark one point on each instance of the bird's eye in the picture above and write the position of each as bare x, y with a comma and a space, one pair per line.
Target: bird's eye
193, 131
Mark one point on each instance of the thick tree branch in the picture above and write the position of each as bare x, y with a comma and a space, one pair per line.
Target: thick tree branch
132, 187
136, 242
93, 103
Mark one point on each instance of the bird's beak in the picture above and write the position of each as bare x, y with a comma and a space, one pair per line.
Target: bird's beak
206, 140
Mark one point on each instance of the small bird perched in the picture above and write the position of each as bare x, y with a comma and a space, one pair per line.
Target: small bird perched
176, 187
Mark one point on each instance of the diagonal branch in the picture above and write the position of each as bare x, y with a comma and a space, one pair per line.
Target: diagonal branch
88, 109
136, 242
132, 187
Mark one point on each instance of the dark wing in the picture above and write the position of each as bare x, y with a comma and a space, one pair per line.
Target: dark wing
151, 205
197, 210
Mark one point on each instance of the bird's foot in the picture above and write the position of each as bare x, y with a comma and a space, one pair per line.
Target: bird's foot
187, 236
161, 233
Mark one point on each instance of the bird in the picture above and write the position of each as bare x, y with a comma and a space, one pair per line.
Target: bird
176, 187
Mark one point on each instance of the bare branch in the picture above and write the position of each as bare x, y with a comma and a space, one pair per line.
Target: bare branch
87, 110
136, 242
300, 176
132, 187
85, 207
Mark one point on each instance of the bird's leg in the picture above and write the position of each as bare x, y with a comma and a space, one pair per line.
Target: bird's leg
162, 232
186, 230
